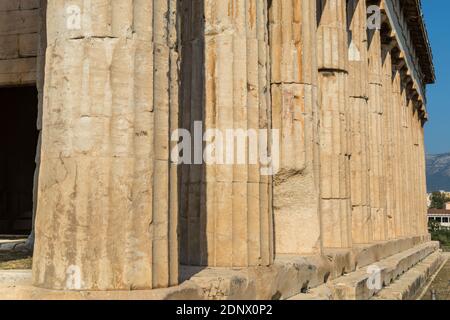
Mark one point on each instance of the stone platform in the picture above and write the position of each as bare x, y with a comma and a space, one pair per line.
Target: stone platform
338, 274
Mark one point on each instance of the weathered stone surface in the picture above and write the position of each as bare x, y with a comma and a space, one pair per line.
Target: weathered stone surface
335, 136
295, 113
410, 284
226, 208
354, 286
358, 90
106, 186
19, 21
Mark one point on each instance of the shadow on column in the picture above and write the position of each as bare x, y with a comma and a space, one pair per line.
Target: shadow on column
192, 197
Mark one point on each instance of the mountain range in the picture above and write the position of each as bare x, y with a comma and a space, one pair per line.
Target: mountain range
438, 172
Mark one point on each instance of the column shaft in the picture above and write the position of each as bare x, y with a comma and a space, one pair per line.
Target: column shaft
335, 124
107, 209
423, 181
390, 151
398, 164
417, 208
359, 110
229, 204
404, 149
377, 177
295, 115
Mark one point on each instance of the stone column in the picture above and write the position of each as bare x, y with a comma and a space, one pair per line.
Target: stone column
397, 108
295, 114
402, 149
231, 208
410, 162
390, 152
377, 177
335, 125
423, 179
405, 152
107, 208
193, 245
359, 110
416, 167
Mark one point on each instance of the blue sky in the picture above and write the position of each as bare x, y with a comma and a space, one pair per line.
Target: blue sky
437, 130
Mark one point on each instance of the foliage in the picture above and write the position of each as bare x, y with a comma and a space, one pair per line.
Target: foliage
439, 233
438, 200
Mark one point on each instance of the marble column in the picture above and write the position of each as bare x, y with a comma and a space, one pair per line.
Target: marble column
397, 145
107, 209
404, 150
390, 152
295, 114
423, 179
359, 110
334, 124
231, 209
376, 118
417, 208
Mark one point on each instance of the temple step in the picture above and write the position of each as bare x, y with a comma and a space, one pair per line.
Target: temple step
390, 272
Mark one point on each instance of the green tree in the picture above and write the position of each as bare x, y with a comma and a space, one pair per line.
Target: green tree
440, 233
438, 200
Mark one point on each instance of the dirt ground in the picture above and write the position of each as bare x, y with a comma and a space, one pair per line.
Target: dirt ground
15, 260
440, 287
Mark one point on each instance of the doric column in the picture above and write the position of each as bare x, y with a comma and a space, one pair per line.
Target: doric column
397, 145
377, 177
359, 110
417, 208
230, 210
295, 114
390, 152
334, 121
107, 208
411, 163
423, 180
405, 152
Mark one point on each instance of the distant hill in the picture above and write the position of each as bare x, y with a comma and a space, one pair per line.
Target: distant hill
438, 172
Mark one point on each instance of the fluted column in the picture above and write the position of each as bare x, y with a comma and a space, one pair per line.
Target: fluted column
359, 110
404, 149
423, 181
411, 166
107, 209
295, 114
231, 211
390, 152
377, 177
397, 145
415, 165
335, 124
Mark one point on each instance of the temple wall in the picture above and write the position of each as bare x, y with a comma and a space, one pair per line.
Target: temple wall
19, 20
